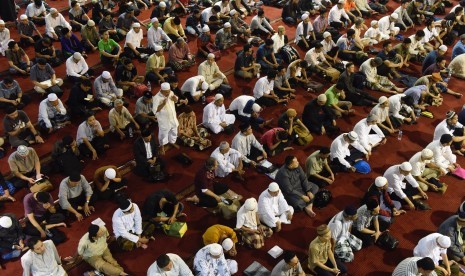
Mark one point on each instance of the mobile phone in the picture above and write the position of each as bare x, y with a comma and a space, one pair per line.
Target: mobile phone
38, 180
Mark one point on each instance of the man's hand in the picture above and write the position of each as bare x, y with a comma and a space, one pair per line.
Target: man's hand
79, 216
376, 235
122, 135
94, 155
30, 180
335, 270
278, 226
39, 139
171, 220
87, 210
143, 240
305, 198
42, 234
329, 181
353, 169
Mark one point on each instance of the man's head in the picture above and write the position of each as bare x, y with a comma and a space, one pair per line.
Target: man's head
350, 213
387, 46
291, 113
136, 27
281, 30
393, 17
44, 199
351, 33
66, 32
446, 140
372, 119
425, 266
339, 87
245, 129
282, 136
340, 4
127, 63
36, 245
321, 99
119, 105
443, 242
442, 50
126, 206
381, 182
53, 99
305, 18
374, 24
452, 118
269, 43
90, 118
12, 112
162, 5
227, 27
219, 100
405, 168
271, 75
291, 162
419, 35
165, 89
290, 258
23, 19
74, 179
372, 206
273, 189
210, 58
106, 76
54, 12
155, 22
211, 164
351, 137
261, 13
406, 42
224, 147
13, 45
324, 152
383, 101
375, 62
5, 222
163, 261
461, 219
350, 67
323, 232
146, 135
441, 62
216, 250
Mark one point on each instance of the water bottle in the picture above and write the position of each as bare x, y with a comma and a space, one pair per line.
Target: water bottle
131, 134
399, 135
204, 100
149, 86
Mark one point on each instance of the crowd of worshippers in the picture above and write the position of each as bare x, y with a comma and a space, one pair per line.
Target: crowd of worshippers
335, 42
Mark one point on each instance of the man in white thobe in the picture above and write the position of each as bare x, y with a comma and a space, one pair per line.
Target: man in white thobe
210, 261
342, 156
195, 87
427, 177
169, 265
435, 247
273, 209
345, 242
156, 36
246, 143
443, 156
387, 25
215, 117
4, 37
55, 19
42, 259
363, 129
229, 160
211, 72
450, 125
165, 111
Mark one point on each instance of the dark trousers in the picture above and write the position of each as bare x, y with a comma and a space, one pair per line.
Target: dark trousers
110, 192
368, 239
23, 42
354, 156
321, 272
153, 78
360, 98
210, 202
409, 192
48, 218
458, 132
98, 143
109, 60
264, 101
25, 99
128, 52
318, 181
144, 122
80, 200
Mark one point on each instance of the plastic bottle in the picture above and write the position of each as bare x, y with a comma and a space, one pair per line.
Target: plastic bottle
399, 135
149, 86
131, 134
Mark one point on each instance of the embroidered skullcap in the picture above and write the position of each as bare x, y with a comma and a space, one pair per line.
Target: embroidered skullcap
380, 181
382, 99
372, 118
5, 222
256, 108
250, 204
91, 23
232, 12
136, 25
218, 97
224, 145
110, 173
427, 154
165, 86
216, 249
211, 55
53, 10
22, 150
204, 86
23, 17
322, 98
444, 241
443, 48
406, 166
52, 97
394, 16
450, 114
162, 4
227, 244
341, 2
353, 136
273, 187
77, 56
326, 34
119, 92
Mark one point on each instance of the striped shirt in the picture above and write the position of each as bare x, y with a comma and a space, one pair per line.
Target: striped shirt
408, 267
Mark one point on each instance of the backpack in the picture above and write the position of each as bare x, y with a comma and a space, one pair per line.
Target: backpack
322, 198
288, 53
387, 241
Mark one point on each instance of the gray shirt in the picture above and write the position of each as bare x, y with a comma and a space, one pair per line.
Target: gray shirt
283, 269
87, 132
10, 93
41, 75
244, 144
27, 29
105, 89
71, 192
142, 107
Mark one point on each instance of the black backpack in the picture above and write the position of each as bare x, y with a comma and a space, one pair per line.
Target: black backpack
387, 241
322, 198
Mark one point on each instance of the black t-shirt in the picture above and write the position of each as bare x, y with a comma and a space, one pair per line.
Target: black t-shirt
13, 124
152, 203
41, 49
123, 74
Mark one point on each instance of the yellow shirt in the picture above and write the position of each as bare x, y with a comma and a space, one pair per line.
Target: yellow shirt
176, 30
88, 249
318, 251
217, 232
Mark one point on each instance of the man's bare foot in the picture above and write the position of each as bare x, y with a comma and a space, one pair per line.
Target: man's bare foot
309, 212
194, 199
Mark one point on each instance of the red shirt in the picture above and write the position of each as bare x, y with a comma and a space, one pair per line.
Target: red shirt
269, 138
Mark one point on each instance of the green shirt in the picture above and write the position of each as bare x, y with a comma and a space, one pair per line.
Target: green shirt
107, 46
332, 96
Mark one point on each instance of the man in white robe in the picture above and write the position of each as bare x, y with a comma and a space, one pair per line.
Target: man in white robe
215, 117
169, 265
229, 160
363, 129
210, 261
165, 111
273, 209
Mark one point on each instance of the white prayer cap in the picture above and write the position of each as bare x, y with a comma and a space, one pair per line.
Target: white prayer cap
153, 20
205, 29
341, 2
353, 136
91, 23
23, 17
218, 97
273, 187
211, 55
227, 244
250, 204
119, 92
443, 48
372, 118
158, 48
22, 150
382, 99
165, 86
394, 16
204, 86
322, 98
427, 153
77, 56
326, 34
256, 108
304, 16
381, 181
162, 4
110, 173
406, 166
373, 23
444, 241
136, 25
232, 12
106, 75
52, 97
224, 145
227, 25
53, 10
2, 22
216, 249
5, 222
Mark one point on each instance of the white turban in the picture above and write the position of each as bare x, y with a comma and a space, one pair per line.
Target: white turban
250, 204
381, 181
406, 166
273, 187
227, 244
165, 86
256, 108
204, 86
216, 249
52, 97
5, 222
110, 173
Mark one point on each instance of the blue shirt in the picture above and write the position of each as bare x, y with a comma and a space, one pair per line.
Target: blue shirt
458, 49
429, 59
263, 51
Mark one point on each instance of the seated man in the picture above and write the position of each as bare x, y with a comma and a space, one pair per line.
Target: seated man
266, 57
18, 60
180, 57
304, 34
107, 24
275, 141
415, 266
129, 230
367, 227
459, 47
70, 44
435, 246
143, 113
318, 117
427, 177
374, 34
193, 22
354, 95
238, 26
133, 43
345, 243
330, 49
11, 94
90, 36
161, 207
387, 25
146, 155
54, 23
43, 76
222, 235
157, 37
375, 81
156, 70
90, 137
381, 111
334, 99
44, 49
289, 265
77, 16
189, 132
450, 125
296, 73
108, 181
247, 111
378, 191
318, 169
249, 147
211, 18
173, 28
77, 68
169, 262
26, 30
259, 25
194, 88
52, 114
391, 61
81, 99
442, 154
76, 196
282, 87
264, 93
452, 228
126, 19
224, 38
121, 121
19, 128
210, 260
245, 65
297, 190
273, 209
11, 237
398, 189
342, 156
36, 12
365, 128
106, 91
252, 231
39, 254
109, 49
41, 213
337, 17
215, 117
229, 161
211, 72
321, 258
398, 104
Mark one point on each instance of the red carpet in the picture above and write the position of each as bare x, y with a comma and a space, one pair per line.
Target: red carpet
347, 189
